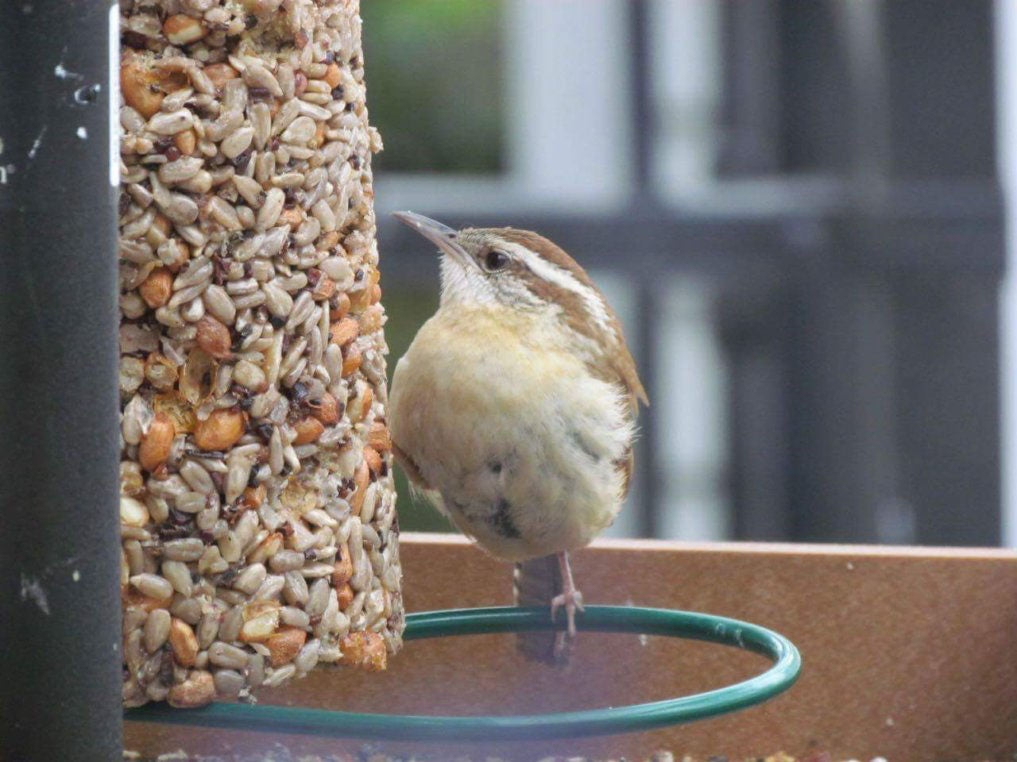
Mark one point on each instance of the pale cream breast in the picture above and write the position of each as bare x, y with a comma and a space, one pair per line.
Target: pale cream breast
519, 439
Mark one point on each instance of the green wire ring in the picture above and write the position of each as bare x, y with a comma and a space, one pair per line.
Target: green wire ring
431, 624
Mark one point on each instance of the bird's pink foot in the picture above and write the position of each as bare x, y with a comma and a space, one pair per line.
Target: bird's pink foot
572, 600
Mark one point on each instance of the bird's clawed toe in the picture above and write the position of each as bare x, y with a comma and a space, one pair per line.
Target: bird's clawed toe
572, 600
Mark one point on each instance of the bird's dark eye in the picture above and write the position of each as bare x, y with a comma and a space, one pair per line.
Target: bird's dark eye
495, 260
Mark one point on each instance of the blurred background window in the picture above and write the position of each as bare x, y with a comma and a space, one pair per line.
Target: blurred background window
794, 208
436, 76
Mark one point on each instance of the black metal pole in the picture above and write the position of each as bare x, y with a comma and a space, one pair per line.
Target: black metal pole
641, 85
59, 554
645, 196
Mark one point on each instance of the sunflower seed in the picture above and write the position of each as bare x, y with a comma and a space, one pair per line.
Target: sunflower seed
271, 209
279, 675
179, 576
237, 143
252, 193
290, 110
229, 628
224, 214
295, 589
218, 303
228, 682
157, 627
257, 75
188, 549
182, 169
152, 585
250, 579
224, 655
197, 477
208, 628
299, 131
171, 123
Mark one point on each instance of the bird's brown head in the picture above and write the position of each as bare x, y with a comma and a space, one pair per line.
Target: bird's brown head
522, 270
516, 268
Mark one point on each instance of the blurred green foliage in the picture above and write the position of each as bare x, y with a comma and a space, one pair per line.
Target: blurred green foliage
434, 74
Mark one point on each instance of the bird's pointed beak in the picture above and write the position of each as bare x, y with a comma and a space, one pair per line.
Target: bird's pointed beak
442, 236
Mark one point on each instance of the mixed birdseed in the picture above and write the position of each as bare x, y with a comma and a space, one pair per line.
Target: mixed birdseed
257, 512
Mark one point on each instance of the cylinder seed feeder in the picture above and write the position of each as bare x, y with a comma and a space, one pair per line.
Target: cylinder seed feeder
258, 537
257, 508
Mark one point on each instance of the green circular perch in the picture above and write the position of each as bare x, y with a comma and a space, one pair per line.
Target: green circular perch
431, 624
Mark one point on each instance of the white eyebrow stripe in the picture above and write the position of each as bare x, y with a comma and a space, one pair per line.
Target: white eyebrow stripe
552, 273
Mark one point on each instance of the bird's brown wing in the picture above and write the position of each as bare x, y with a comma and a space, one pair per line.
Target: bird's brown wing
625, 368
621, 367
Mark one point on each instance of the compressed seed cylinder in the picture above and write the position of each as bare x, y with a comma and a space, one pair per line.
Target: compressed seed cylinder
252, 353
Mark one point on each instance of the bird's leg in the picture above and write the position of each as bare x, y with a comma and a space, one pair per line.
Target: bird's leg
570, 598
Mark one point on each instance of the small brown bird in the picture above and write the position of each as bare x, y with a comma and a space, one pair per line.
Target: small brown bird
514, 407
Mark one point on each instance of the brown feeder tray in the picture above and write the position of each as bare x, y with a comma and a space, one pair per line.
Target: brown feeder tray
907, 654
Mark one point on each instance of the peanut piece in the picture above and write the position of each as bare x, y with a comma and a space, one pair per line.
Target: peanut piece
332, 75
154, 449
327, 410
253, 497
379, 438
197, 690
345, 331
364, 649
324, 289
219, 74
220, 430
292, 217
136, 83
342, 308
214, 337
132, 597
360, 300
157, 287
372, 459
361, 479
308, 430
343, 570
372, 319
345, 596
186, 142
266, 548
181, 29
183, 642
285, 644
257, 609
329, 241
352, 359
